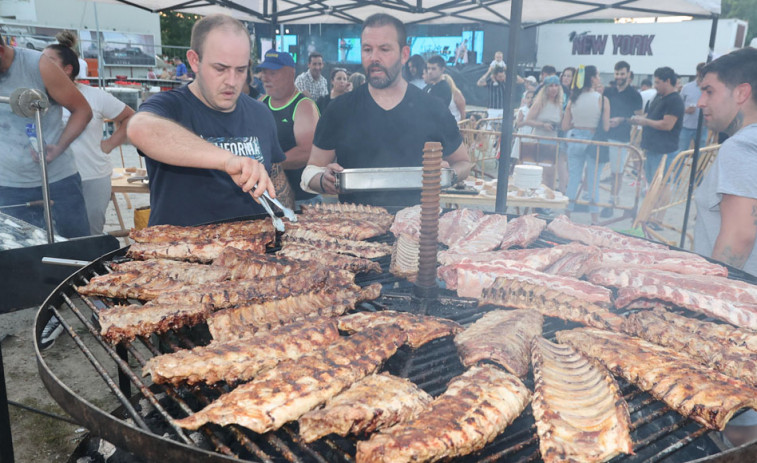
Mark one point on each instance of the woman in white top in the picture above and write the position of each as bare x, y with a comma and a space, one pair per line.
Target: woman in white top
582, 117
520, 122
90, 150
414, 71
457, 103
544, 116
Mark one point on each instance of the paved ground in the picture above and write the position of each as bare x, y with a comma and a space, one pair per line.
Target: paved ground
41, 439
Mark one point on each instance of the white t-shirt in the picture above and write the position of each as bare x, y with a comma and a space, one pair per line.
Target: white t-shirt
497, 63
733, 173
82, 69
90, 159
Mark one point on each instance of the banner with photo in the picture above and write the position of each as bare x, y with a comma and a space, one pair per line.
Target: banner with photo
119, 48
32, 37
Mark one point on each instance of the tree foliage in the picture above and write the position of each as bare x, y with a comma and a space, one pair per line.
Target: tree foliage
741, 9
176, 31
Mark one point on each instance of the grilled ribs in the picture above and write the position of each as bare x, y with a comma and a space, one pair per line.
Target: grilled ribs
721, 333
373, 214
475, 408
241, 359
419, 329
223, 231
364, 249
244, 265
331, 301
597, 235
580, 413
486, 236
338, 226
294, 387
694, 391
719, 354
502, 336
522, 231
566, 300
373, 403
197, 251
330, 259
125, 322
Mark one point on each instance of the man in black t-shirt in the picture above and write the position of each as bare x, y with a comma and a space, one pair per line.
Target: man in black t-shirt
625, 102
437, 86
382, 124
662, 125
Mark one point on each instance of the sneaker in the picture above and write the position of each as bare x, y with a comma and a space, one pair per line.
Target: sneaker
606, 213
50, 333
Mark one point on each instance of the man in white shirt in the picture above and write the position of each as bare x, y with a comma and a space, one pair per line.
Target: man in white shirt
312, 83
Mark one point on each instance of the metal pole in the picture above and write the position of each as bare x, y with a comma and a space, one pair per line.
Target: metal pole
274, 22
42, 150
506, 139
697, 136
6, 438
100, 66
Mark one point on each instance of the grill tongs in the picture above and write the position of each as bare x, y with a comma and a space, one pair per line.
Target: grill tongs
278, 224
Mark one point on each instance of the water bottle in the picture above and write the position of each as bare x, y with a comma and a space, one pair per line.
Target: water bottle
31, 132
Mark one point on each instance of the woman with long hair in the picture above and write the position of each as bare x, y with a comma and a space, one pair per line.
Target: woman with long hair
340, 85
414, 70
457, 103
544, 116
586, 110
90, 149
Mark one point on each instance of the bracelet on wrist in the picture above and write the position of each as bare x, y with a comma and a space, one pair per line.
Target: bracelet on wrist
320, 182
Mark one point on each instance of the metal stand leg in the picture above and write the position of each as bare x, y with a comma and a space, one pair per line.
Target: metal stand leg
6, 440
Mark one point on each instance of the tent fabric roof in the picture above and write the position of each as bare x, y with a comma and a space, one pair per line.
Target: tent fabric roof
429, 11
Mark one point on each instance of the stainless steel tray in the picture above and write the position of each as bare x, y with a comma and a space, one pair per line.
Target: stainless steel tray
386, 178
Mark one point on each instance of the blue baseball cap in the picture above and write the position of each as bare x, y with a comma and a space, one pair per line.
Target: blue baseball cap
552, 80
276, 60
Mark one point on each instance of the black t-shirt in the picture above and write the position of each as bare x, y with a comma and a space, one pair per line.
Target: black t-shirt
190, 196
440, 90
622, 104
364, 135
663, 141
496, 94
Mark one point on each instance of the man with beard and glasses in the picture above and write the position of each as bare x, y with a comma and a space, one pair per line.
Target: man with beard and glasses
382, 124
208, 148
726, 225
625, 102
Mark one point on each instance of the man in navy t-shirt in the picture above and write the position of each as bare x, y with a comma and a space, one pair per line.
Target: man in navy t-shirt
382, 124
208, 150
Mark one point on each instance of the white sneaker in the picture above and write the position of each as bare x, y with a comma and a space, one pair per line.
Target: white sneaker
50, 333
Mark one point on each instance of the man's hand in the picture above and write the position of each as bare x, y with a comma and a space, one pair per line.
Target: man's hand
51, 152
328, 179
690, 109
247, 173
616, 121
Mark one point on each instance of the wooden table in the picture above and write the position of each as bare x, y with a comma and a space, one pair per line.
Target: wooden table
455, 200
119, 184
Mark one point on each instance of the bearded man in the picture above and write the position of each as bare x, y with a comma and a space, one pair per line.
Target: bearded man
382, 124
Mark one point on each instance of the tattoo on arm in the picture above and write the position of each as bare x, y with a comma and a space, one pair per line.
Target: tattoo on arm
284, 191
733, 259
735, 124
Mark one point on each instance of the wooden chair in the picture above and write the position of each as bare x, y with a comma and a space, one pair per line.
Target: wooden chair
668, 189
493, 124
483, 148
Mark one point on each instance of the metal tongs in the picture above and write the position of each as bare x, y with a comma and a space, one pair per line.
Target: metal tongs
278, 224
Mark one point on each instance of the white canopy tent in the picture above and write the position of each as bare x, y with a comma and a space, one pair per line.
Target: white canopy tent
518, 14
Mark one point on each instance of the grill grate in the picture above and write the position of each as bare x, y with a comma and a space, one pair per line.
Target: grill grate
659, 434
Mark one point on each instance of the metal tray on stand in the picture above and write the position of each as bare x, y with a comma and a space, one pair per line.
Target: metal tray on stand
386, 178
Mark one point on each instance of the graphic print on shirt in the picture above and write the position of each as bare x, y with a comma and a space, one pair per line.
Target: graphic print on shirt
239, 146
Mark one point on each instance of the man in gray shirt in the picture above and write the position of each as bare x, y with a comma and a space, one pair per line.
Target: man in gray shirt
690, 94
726, 224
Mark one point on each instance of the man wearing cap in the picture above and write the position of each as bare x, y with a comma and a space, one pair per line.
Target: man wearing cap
296, 116
383, 124
208, 149
311, 82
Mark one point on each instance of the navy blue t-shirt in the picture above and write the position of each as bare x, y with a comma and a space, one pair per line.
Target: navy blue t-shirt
364, 135
190, 196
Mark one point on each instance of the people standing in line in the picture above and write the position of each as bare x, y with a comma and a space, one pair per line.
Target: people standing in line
494, 80
340, 84
663, 122
436, 86
20, 172
545, 117
520, 122
546, 71
208, 149
181, 69
383, 124
726, 200
647, 92
311, 83
457, 104
356, 80
90, 149
414, 71
690, 94
566, 80
586, 110
296, 116
625, 102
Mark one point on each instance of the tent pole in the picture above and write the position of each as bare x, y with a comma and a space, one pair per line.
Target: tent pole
274, 22
506, 138
100, 64
697, 136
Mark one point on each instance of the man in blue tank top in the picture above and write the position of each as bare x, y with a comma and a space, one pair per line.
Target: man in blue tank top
208, 148
20, 171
